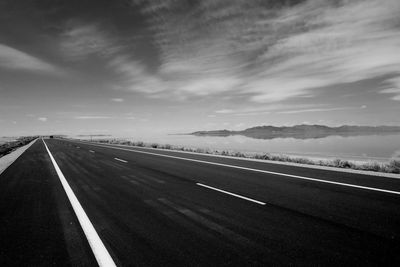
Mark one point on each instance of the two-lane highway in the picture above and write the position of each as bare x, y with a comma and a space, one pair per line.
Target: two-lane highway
157, 208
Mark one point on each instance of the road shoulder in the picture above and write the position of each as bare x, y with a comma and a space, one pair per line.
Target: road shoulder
8, 159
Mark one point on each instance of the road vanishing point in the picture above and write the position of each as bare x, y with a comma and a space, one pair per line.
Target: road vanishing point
72, 203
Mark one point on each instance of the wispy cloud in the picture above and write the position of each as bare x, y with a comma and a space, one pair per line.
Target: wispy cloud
260, 110
268, 50
134, 76
92, 117
283, 109
42, 119
81, 40
265, 52
316, 110
117, 99
346, 43
224, 111
393, 88
11, 58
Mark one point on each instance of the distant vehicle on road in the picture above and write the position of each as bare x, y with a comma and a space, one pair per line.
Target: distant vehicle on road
51, 136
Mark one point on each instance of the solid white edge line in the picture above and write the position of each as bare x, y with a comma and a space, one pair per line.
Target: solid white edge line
232, 194
91, 151
261, 171
124, 161
100, 252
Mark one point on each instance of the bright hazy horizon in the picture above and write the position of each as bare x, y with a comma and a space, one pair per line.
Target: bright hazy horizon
136, 67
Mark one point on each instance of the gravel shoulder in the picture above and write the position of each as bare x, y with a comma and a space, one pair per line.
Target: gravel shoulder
8, 159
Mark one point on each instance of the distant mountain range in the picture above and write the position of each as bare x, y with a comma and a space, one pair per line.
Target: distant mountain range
304, 131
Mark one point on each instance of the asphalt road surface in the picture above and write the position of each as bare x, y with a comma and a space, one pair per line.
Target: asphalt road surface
164, 208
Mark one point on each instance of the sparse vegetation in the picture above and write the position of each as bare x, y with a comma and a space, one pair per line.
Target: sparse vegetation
11, 146
390, 167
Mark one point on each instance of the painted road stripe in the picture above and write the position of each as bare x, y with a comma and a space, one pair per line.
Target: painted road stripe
261, 171
99, 250
232, 194
91, 151
121, 160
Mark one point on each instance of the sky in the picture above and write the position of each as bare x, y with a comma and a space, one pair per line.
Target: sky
171, 66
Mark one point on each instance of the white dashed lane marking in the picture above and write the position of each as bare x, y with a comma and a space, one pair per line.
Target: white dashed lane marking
232, 194
124, 161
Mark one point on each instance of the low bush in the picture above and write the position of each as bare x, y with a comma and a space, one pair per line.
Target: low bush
11, 146
167, 146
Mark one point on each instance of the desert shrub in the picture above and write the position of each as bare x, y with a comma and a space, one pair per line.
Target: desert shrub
239, 154
263, 156
336, 162
225, 153
393, 166
199, 150
342, 163
167, 146
304, 161
371, 166
279, 158
154, 145
10, 146
140, 144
